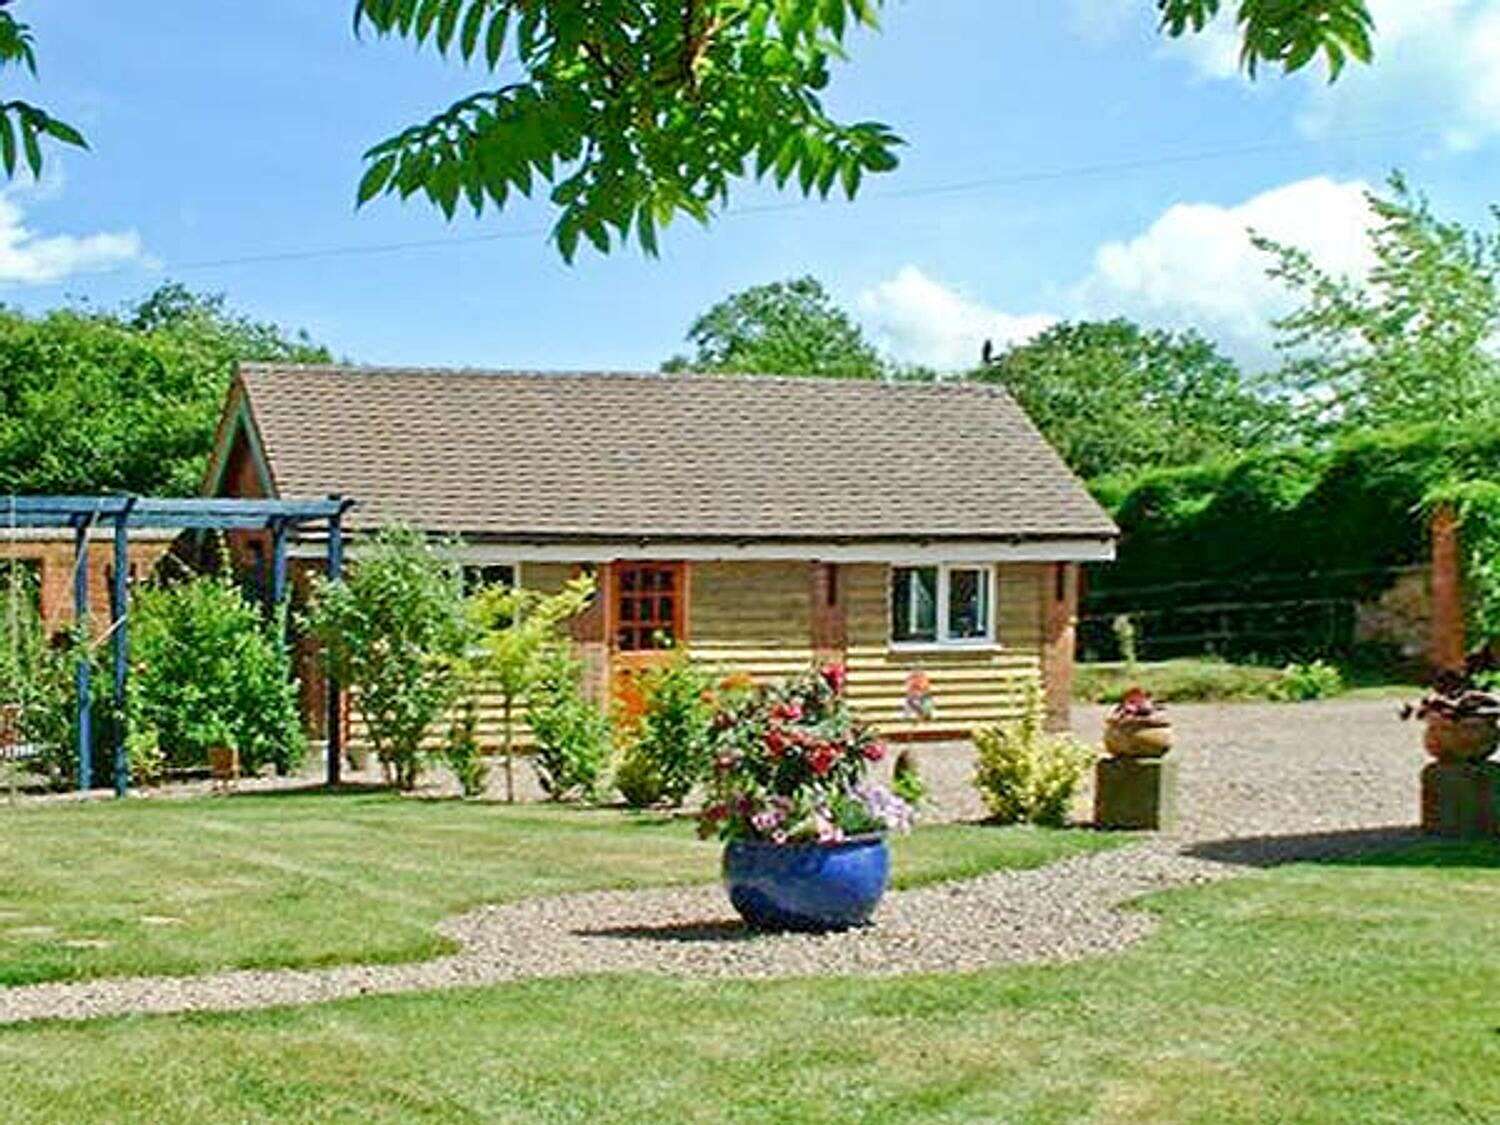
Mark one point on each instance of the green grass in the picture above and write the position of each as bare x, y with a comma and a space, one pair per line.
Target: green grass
1207, 680
1359, 993
178, 887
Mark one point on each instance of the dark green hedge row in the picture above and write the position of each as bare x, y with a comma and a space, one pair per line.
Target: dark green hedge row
1266, 554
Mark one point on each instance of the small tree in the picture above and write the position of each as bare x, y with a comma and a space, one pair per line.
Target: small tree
518, 630
395, 632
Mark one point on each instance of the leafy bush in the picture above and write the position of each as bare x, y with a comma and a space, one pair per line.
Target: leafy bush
1205, 680
395, 632
36, 678
462, 751
518, 632
208, 670
1025, 774
1301, 682
671, 740
639, 779
572, 734
906, 779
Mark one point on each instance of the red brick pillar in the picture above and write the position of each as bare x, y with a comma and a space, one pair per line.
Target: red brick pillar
1059, 638
1448, 642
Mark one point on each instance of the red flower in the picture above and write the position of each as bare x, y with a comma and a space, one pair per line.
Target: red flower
835, 676
775, 743
873, 751
823, 758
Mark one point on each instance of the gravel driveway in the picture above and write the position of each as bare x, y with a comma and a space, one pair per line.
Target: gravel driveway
1260, 784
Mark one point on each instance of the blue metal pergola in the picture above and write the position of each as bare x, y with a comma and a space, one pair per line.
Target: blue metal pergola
124, 513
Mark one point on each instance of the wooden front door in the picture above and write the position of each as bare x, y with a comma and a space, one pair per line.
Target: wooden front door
647, 605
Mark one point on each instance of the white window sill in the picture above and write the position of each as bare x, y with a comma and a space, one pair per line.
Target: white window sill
943, 646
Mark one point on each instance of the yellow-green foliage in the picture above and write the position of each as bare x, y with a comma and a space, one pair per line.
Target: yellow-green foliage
1025, 773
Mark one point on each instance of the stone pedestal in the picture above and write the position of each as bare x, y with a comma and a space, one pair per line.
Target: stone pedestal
1461, 801
1135, 793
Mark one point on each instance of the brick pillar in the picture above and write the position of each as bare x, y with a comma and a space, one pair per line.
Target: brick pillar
589, 632
829, 615
1059, 638
1448, 643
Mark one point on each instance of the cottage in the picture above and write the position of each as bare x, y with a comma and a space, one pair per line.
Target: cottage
759, 523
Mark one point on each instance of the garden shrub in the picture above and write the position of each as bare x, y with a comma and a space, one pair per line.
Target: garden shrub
36, 676
208, 669
461, 749
396, 633
639, 779
1025, 774
906, 778
1301, 682
572, 734
671, 740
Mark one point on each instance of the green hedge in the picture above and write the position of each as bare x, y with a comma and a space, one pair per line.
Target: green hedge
1279, 544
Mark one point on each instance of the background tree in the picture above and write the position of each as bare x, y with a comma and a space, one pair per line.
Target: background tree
93, 401
635, 111
395, 632
1412, 342
1115, 398
784, 328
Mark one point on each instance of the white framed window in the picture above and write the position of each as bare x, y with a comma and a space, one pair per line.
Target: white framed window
947, 604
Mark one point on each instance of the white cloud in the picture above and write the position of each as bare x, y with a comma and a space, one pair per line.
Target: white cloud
27, 258
1440, 55
1195, 266
919, 320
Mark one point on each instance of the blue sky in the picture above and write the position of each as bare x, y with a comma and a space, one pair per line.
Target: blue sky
1063, 161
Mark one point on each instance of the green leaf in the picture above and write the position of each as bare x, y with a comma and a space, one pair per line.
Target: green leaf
8, 143
375, 179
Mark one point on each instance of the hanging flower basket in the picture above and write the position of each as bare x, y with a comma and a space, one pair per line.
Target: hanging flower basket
804, 829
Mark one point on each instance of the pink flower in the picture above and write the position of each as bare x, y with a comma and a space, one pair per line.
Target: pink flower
873, 751
788, 712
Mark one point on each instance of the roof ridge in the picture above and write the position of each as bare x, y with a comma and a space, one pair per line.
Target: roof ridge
950, 385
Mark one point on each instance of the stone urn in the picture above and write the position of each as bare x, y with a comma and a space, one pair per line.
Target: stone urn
1137, 737
1469, 738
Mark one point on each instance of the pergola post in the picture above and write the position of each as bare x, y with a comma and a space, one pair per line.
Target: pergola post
120, 627
335, 695
278, 564
83, 672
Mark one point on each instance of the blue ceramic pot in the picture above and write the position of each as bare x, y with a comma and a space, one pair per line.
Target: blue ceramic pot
807, 886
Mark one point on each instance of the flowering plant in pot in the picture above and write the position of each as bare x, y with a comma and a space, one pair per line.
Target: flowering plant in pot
1463, 719
790, 795
1137, 727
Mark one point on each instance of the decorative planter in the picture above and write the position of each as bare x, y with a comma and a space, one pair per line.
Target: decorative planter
1470, 739
1137, 738
815, 887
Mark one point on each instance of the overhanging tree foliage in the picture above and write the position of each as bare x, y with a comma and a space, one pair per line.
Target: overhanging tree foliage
635, 111
23, 125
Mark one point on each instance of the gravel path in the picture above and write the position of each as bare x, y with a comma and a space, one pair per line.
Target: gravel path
1259, 785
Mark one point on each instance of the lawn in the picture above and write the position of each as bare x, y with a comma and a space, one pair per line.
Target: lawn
169, 886
1349, 993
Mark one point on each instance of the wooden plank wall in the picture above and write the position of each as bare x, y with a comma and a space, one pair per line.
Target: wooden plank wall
756, 618
970, 688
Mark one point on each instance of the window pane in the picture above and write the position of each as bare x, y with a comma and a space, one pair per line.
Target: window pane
914, 603
968, 604
488, 574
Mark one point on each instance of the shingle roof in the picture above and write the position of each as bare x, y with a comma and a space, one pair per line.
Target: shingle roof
539, 456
